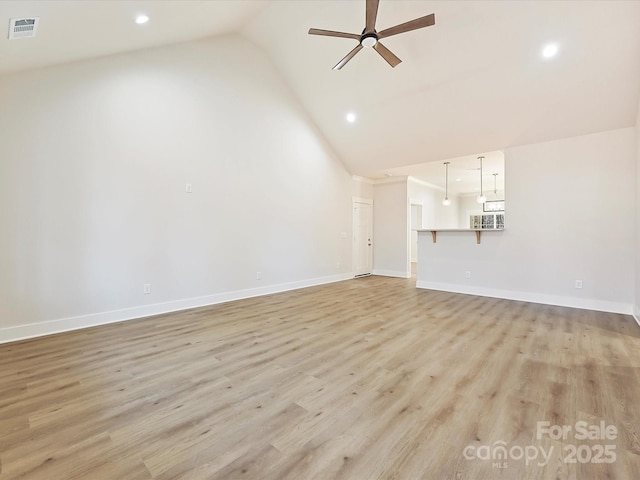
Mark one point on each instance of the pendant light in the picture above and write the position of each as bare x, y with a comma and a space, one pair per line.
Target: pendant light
481, 198
446, 202
495, 184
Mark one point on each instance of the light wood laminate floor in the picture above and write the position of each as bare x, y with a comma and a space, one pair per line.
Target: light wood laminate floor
364, 379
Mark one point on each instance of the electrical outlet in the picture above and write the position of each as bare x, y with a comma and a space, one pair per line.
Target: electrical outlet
188, 188
467, 274
578, 283
146, 288
258, 275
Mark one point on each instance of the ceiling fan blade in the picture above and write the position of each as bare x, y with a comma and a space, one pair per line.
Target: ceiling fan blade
408, 26
372, 13
349, 56
331, 33
387, 54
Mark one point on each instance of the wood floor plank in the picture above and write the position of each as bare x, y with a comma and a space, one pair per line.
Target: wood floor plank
364, 379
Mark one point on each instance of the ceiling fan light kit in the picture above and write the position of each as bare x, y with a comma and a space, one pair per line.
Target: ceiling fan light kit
370, 37
369, 40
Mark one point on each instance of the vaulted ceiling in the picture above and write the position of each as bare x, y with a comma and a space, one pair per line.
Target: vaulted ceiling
475, 82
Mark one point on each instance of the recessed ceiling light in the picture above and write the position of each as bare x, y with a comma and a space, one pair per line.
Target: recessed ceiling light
140, 19
458, 179
550, 50
351, 117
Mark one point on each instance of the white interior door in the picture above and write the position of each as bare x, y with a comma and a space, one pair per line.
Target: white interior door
362, 238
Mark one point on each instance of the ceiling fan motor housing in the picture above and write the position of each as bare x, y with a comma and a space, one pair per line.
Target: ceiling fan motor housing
369, 40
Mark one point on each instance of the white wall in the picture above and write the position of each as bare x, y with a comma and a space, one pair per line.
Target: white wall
362, 188
414, 225
636, 309
434, 214
391, 230
584, 231
95, 158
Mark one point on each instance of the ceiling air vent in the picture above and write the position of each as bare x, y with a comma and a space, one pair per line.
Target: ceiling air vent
23, 27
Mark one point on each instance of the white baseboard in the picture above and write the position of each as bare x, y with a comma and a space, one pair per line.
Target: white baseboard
21, 332
392, 273
584, 303
636, 314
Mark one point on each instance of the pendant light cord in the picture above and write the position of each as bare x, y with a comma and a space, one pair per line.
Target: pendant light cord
446, 180
481, 192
